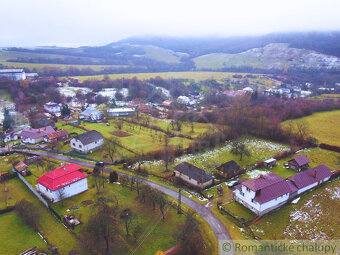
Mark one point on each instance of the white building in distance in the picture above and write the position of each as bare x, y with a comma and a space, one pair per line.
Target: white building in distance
13, 74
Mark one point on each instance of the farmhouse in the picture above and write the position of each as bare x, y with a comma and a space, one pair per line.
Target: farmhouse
62, 183
12, 136
13, 74
52, 107
20, 167
309, 179
118, 112
263, 194
229, 169
91, 114
193, 175
58, 135
300, 163
87, 142
33, 136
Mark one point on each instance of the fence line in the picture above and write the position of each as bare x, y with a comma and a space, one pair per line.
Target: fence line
33, 190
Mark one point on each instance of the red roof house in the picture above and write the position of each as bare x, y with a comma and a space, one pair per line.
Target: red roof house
62, 182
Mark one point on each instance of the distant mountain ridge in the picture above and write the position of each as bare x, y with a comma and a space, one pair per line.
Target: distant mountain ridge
310, 50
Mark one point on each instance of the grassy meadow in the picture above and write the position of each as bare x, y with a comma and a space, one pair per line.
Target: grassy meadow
324, 126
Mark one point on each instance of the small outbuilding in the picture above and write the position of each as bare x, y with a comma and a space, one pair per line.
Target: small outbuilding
299, 164
229, 169
269, 162
20, 167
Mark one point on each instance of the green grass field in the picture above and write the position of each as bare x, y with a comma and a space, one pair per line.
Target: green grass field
324, 126
17, 235
158, 232
55, 232
209, 160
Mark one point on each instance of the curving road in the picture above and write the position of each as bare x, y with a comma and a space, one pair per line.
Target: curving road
217, 226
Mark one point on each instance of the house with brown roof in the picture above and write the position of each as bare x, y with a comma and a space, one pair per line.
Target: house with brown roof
56, 136
229, 169
87, 142
270, 191
263, 194
35, 135
193, 175
310, 178
299, 163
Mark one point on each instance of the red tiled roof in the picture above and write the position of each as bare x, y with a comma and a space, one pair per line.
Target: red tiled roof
302, 160
58, 133
308, 177
62, 177
261, 182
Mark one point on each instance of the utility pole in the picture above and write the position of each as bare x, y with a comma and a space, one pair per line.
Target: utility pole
179, 201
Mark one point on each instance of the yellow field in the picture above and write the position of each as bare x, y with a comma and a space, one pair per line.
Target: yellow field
197, 76
324, 126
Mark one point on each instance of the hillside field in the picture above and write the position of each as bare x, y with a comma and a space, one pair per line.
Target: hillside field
324, 126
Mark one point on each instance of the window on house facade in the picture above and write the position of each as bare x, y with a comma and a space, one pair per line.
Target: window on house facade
80, 146
253, 201
241, 193
248, 189
74, 144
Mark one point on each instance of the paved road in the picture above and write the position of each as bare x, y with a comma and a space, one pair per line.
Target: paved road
217, 226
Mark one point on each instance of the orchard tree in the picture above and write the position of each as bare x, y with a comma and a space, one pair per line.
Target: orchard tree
238, 148
8, 122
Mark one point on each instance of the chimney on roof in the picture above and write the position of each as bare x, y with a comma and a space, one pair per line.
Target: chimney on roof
261, 176
315, 173
39, 130
64, 168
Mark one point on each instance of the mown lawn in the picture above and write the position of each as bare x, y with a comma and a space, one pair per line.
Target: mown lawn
55, 232
324, 126
141, 139
16, 236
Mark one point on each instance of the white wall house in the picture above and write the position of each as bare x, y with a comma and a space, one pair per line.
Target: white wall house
311, 178
193, 175
270, 191
62, 183
87, 142
263, 194
13, 74
52, 107
35, 135
117, 112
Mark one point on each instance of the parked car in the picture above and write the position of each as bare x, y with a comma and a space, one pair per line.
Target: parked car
233, 184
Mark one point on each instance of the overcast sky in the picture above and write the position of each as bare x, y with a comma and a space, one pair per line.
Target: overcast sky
97, 22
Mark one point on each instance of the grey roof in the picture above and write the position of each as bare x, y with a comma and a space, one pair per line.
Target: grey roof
89, 137
193, 172
230, 167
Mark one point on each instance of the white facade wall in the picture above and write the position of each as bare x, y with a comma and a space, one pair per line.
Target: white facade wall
256, 207
311, 186
32, 140
68, 191
77, 145
15, 76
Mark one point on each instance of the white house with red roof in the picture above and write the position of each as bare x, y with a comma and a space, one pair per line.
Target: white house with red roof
62, 183
35, 135
270, 191
263, 194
